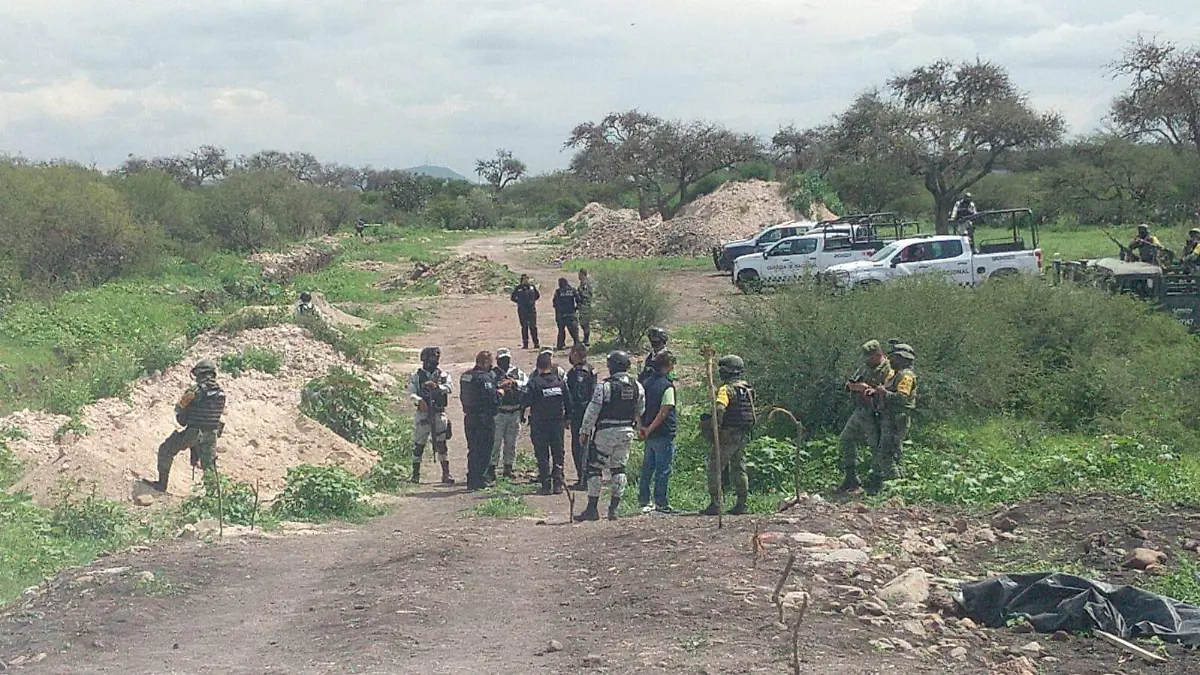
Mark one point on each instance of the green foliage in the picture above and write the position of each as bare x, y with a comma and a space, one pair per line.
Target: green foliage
71, 426
344, 402
10, 466
341, 283
630, 304
90, 517
252, 358
1182, 582
250, 318
320, 493
809, 188
352, 346
770, 464
511, 506
237, 502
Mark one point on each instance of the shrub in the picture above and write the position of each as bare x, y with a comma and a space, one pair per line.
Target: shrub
352, 347
237, 502
249, 319
91, 517
770, 464
320, 493
155, 356
344, 402
630, 303
252, 358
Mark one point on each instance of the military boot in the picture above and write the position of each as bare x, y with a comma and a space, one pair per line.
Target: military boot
416, 472
849, 484
557, 484
591, 512
712, 510
613, 505
874, 484
739, 508
508, 472
489, 476
446, 479
160, 485
544, 489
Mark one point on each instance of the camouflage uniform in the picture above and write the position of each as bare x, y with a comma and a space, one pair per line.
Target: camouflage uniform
736, 418
199, 410
508, 416
895, 416
864, 422
612, 432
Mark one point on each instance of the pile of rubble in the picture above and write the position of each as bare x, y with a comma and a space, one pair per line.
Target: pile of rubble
311, 256
469, 274
734, 211
265, 432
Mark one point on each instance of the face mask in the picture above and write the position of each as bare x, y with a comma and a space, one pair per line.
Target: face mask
430, 366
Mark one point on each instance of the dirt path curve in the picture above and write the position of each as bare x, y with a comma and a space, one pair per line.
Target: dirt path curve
428, 588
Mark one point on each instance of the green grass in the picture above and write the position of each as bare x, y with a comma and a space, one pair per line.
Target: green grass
1091, 241
403, 245
252, 358
503, 507
1181, 581
341, 283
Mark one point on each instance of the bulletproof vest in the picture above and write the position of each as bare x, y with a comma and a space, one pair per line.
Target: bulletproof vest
526, 296
510, 399
204, 412
656, 386
477, 392
621, 407
911, 402
435, 398
876, 376
581, 383
585, 293
739, 414
548, 392
565, 301
306, 308
648, 368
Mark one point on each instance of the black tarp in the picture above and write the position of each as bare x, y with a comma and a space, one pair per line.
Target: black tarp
1053, 602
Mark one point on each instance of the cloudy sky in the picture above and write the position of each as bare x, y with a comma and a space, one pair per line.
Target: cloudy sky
405, 82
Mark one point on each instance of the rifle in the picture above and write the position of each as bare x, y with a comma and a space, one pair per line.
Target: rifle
1126, 254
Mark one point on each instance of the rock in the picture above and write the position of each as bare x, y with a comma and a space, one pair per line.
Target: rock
873, 608
1138, 533
854, 541
849, 610
1004, 524
143, 500
809, 539
593, 661
146, 577
853, 591
961, 526
1144, 558
912, 587
951, 538
554, 646
902, 645
794, 599
1018, 666
1032, 649
1192, 545
914, 627
1060, 636
847, 556
985, 534
959, 653
883, 644
188, 533
940, 600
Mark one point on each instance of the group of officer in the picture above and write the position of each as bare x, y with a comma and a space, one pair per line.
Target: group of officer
1145, 247
884, 391
572, 310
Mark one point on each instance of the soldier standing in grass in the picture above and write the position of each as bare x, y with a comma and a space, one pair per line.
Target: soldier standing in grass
863, 425
898, 397
586, 292
613, 417
199, 411
430, 389
735, 421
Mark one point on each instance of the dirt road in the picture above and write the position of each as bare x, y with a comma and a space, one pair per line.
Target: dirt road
432, 589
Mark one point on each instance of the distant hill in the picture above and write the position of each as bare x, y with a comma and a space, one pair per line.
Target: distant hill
438, 172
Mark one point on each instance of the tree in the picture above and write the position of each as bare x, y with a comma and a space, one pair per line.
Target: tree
1163, 101
206, 163
800, 150
946, 123
408, 192
662, 160
500, 170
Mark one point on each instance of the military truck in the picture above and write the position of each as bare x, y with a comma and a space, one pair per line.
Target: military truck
1172, 288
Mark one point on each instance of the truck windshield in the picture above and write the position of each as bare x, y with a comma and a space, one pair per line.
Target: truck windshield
884, 253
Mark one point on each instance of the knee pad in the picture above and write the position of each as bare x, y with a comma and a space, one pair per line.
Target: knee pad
418, 450
618, 471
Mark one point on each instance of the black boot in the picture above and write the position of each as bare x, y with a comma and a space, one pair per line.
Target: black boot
446, 479
613, 505
591, 512
739, 508
159, 485
874, 484
712, 510
508, 472
489, 476
416, 472
849, 484
557, 485
545, 487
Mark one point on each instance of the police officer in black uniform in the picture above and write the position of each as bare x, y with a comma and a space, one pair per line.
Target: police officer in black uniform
525, 296
480, 400
549, 407
581, 383
566, 313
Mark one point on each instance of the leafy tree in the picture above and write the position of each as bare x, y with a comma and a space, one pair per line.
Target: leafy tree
870, 185
500, 170
407, 192
947, 123
799, 149
661, 160
1163, 101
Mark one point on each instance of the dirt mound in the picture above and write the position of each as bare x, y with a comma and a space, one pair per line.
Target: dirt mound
311, 256
336, 316
735, 210
468, 274
264, 430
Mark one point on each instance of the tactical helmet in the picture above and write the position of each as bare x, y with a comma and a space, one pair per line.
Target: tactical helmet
305, 296
892, 342
1143, 228
904, 351
731, 365
618, 362
204, 366
431, 354
657, 335
1194, 232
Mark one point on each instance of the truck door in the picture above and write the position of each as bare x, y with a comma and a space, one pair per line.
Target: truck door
837, 250
951, 258
788, 259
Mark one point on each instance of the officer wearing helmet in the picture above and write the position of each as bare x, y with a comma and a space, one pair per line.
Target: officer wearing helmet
613, 417
898, 399
658, 343
863, 425
429, 388
199, 412
1191, 249
735, 422
963, 208
1145, 245
306, 306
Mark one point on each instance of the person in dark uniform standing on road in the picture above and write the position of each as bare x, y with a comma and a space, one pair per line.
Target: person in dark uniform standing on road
526, 295
566, 313
581, 383
549, 407
480, 400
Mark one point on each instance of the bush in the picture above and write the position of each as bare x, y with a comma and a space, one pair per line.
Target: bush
89, 518
318, 493
344, 402
249, 319
237, 502
252, 358
157, 355
352, 347
630, 303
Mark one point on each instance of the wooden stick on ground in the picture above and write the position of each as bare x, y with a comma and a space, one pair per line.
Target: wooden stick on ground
777, 596
570, 505
1131, 648
800, 613
220, 507
710, 356
756, 546
254, 513
799, 445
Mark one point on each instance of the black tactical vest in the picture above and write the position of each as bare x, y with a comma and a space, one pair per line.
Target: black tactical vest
621, 408
581, 383
510, 399
548, 395
436, 399
204, 412
478, 392
740, 413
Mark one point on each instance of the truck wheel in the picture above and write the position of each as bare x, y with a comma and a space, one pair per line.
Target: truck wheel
749, 281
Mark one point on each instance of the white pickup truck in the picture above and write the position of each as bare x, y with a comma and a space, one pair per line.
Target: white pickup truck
791, 259
946, 254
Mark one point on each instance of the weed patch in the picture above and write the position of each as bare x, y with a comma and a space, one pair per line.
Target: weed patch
237, 501
252, 358
511, 506
321, 493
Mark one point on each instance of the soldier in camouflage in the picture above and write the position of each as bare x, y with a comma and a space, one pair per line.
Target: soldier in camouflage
199, 412
613, 417
863, 425
429, 388
735, 420
898, 399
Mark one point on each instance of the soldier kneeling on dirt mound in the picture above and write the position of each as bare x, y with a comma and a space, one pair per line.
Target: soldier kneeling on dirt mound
613, 417
199, 411
306, 306
430, 389
735, 421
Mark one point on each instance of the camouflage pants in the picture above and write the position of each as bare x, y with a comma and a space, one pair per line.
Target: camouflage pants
733, 456
863, 426
608, 453
423, 429
507, 426
202, 443
892, 431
